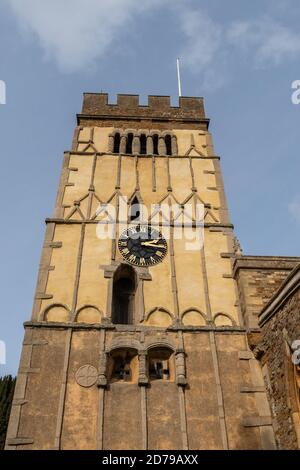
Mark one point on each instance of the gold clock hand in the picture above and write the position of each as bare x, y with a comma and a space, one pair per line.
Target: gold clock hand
151, 244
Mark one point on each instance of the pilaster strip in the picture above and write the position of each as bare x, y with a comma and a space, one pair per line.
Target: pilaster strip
221, 409
64, 176
77, 275
20, 392
183, 425
42, 280
144, 417
173, 274
192, 173
101, 392
153, 174
63, 389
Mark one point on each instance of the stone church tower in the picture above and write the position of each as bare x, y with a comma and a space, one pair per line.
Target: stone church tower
134, 344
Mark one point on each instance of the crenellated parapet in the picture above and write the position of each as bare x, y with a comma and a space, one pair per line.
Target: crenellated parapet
128, 107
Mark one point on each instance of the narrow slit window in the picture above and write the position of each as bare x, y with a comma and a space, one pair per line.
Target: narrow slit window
129, 143
155, 144
117, 140
168, 141
135, 210
143, 144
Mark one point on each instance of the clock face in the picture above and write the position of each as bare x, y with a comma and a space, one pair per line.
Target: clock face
142, 246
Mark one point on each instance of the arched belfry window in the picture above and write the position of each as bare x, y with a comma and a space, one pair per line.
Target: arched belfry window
129, 143
160, 364
168, 142
135, 210
124, 287
155, 144
117, 140
143, 140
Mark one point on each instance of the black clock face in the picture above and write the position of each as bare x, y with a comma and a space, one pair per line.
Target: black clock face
142, 246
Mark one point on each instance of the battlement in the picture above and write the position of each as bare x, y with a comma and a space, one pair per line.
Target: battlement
96, 105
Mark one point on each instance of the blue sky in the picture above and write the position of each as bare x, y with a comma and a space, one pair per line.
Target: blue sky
241, 56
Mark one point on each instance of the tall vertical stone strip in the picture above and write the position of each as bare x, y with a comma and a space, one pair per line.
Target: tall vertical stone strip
102, 383
43, 270
13, 439
143, 382
59, 210
78, 269
214, 353
63, 389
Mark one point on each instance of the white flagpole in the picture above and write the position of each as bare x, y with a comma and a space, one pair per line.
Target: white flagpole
178, 77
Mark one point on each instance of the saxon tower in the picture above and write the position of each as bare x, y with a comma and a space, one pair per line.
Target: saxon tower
133, 345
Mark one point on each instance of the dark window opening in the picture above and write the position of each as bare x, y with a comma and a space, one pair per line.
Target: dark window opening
143, 144
168, 142
159, 369
155, 144
129, 143
135, 211
159, 364
123, 295
121, 369
117, 140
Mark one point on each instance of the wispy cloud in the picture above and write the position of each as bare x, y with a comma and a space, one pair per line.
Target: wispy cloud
270, 42
211, 48
294, 208
74, 33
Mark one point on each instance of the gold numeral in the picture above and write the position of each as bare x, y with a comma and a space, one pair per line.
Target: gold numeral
125, 251
142, 261
132, 258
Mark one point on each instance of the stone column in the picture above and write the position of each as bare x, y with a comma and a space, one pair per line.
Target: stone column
162, 150
136, 144
143, 378
111, 140
180, 368
174, 145
123, 143
102, 378
149, 145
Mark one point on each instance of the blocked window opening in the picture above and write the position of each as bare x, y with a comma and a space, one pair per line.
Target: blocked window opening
129, 143
124, 287
117, 140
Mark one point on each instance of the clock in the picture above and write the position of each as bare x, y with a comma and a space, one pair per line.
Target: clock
142, 246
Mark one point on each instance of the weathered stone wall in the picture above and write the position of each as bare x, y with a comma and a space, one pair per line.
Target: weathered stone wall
280, 322
258, 278
220, 407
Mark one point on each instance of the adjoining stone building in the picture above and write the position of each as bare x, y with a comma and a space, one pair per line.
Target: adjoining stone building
133, 347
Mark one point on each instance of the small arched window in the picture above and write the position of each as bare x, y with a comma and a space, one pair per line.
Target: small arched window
160, 364
168, 142
155, 144
129, 143
143, 144
117, 140
124, 287
123, 365
135, 209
